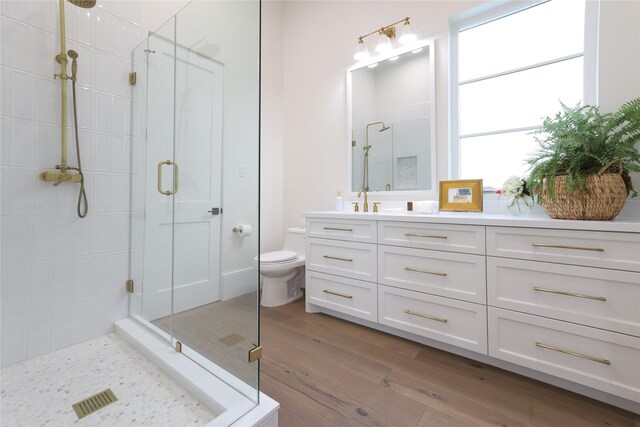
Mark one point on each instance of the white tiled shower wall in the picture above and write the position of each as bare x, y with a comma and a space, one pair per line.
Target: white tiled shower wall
62, 277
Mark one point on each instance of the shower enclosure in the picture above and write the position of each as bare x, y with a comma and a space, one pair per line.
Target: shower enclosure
194, 162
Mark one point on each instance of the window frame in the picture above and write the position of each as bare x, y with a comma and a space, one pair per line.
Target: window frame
492, 11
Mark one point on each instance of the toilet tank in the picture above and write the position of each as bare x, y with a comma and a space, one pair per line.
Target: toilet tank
294, 240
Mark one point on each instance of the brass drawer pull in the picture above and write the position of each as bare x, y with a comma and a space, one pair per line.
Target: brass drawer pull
428, 236
569, 294
338, 295
437, 319
435, 273
337, 229
571, 353
578, 248
337, 258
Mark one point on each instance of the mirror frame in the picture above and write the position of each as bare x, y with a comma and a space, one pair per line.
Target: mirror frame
425, 44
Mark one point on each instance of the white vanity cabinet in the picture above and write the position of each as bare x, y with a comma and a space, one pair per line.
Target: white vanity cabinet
447, 274
438, 294
619, 251
567, 303
561, 298
467, 239
341, 272
447, 320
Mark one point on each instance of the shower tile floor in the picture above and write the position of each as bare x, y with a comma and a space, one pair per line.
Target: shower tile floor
40, 391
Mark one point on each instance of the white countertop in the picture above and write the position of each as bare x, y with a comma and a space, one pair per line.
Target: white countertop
472, 218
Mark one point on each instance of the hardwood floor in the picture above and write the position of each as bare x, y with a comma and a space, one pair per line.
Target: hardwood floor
328, 372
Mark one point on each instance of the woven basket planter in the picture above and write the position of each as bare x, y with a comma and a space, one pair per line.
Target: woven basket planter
603, 198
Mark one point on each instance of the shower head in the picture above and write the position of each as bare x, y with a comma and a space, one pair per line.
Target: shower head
384, 127
86, 4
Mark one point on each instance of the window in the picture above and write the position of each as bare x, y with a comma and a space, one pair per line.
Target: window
511, 66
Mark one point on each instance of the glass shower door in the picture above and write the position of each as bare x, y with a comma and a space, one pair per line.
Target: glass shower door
195, 107
152, 179
214, 318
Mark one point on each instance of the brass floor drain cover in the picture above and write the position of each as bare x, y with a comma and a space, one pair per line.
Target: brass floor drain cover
94, 403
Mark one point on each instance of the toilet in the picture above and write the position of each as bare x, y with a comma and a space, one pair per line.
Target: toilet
282, 272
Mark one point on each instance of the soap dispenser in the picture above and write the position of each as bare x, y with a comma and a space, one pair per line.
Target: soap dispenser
339, 202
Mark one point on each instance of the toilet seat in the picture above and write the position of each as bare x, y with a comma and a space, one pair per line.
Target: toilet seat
277, 257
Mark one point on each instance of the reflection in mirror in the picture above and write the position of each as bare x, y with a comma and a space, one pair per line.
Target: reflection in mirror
393, 123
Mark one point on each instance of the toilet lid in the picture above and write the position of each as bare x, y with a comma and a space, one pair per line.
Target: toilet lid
278, 256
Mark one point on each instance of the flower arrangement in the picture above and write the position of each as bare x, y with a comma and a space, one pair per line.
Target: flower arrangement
517, 190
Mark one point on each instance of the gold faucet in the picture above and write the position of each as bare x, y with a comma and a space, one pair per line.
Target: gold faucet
366, 203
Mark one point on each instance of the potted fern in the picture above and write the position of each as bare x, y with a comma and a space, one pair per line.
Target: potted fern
582, 169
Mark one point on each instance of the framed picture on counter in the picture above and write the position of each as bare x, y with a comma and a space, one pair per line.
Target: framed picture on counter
461, 195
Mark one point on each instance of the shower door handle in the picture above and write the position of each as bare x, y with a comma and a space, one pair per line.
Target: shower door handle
175, 178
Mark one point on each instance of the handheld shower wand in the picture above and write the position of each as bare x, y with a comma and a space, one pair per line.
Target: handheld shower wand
74, 63
83, 204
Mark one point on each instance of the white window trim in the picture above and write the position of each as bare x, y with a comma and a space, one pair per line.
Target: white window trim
492, 10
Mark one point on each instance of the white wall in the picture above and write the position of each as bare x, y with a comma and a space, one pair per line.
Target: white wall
271, 131
619, 58
319, 39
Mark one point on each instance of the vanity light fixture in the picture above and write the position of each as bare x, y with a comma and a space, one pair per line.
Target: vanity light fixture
384, 44
406, 35
394, 58
362, 52
385, 35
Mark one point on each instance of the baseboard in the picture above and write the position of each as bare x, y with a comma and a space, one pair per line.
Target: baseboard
239, 282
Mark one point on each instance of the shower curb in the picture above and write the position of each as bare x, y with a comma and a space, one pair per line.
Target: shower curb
208, 389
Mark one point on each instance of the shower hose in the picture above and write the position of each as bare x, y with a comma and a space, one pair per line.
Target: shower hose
83, 204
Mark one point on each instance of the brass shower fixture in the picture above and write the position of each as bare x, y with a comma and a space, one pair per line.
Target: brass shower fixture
63, 59
63, 173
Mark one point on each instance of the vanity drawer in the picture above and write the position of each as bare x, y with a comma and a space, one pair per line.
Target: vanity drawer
620, 251
446, 274
603, 360
606, 299
342, 229
454, 322
348, 296
348, 259
442, 237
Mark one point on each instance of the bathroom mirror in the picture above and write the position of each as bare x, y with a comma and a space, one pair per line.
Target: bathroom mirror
392, 121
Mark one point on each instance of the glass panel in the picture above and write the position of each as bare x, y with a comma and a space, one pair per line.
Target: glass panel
548, 31
520, 99
138, 174
178, 150
494, 158
217, 53
153, 211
